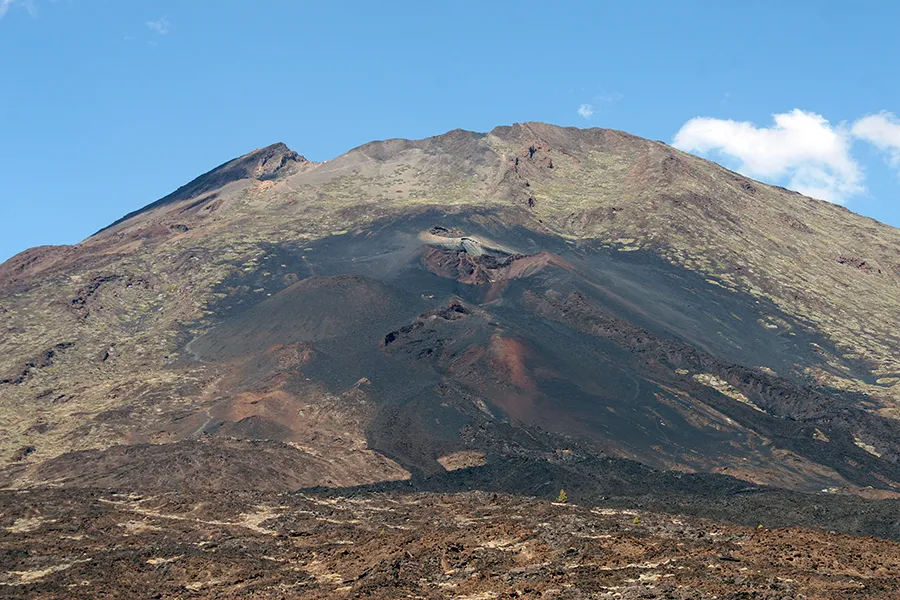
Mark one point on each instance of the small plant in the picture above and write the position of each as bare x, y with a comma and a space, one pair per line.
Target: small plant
563, 497
637, 521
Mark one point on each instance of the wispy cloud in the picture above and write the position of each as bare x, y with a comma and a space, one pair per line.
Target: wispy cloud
160, 26
883, 131
597, 103
801, 149
29, 5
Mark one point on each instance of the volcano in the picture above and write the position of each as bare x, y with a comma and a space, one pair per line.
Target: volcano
515, 312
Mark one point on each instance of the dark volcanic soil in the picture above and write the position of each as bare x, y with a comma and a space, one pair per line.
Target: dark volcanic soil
100, 544
457, 320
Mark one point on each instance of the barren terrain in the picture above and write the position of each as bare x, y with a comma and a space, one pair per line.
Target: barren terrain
431, 338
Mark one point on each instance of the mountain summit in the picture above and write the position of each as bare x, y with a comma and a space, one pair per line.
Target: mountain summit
264, 164
560, 301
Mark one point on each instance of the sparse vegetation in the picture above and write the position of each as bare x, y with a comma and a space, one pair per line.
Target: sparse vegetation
148, 285
125, 314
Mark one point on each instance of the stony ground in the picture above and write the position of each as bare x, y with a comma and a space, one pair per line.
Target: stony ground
102, 544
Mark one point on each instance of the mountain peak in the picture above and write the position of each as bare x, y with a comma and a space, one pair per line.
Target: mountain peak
262, 164
272, 159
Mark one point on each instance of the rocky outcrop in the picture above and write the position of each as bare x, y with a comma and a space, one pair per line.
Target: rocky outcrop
264, 164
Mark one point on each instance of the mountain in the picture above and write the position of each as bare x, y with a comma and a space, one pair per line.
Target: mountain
516, 312
412, 301
415, 306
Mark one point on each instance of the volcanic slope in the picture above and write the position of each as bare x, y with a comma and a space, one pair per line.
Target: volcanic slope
541, 294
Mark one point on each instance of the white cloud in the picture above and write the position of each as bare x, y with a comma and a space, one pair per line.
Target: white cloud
883, 131
586, 110
29, 5
160, 26
802, 149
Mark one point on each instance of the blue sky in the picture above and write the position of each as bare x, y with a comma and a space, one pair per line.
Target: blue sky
107, 105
